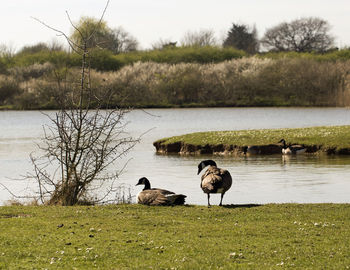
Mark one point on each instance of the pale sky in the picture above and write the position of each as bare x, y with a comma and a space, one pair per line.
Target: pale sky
151, 20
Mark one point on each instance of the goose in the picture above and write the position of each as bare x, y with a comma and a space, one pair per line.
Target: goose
292, 149
214, 180
156, 196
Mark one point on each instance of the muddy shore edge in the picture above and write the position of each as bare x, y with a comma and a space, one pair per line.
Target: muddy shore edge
221, 149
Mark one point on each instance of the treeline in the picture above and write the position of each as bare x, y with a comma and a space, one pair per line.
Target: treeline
295, 80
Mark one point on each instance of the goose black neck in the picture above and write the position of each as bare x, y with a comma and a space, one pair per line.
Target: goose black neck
147, 184
284, 143
204, 164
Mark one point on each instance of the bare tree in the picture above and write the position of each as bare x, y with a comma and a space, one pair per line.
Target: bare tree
200, 38
54, 45
301, 35
242, 37
82, 142
121, 41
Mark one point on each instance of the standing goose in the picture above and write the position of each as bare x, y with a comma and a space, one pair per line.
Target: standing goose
156, 196
292, 149
214, 180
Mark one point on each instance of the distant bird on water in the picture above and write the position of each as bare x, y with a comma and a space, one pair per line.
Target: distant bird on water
292, 149
214, 180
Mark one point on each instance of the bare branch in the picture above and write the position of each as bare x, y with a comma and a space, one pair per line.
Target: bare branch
60, 33
99, 22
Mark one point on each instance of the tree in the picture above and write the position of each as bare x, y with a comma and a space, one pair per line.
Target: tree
121, 41
83, 140
301, 35
200, 39
241, 37
116, 40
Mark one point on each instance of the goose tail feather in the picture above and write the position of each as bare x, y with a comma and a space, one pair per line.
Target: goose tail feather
176, 199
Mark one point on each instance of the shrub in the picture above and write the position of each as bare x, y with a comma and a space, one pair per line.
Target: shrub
104, 60
32, 71
9, 88
241, 82
3, 66
247, 81
332, 55
207, 54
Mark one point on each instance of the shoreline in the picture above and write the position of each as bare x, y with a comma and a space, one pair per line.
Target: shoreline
316, 140
234, 150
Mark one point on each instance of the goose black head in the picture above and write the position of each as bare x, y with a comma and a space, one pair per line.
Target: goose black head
282, 141
144, 181
204, 164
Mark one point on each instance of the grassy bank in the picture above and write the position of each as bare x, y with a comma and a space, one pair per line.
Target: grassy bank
310, 236
333, 138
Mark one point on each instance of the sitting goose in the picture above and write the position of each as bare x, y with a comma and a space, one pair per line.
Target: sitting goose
214, 180
292, 149
156, 196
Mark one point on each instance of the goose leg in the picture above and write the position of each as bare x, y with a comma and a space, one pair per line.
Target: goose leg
208, 200
222, 195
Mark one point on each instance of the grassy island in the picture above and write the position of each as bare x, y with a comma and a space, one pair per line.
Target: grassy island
301, 236
331, 140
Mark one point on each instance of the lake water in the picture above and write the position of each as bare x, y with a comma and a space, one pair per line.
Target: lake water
256, 179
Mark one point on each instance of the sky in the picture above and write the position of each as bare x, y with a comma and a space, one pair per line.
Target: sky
152, 20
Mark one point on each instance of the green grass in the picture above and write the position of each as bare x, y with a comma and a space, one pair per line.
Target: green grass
301, 236
334, 136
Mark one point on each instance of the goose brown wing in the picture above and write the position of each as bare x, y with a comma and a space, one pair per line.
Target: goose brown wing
152, 197
227, 179
163, 191
296, 147
216, 180
211, 180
